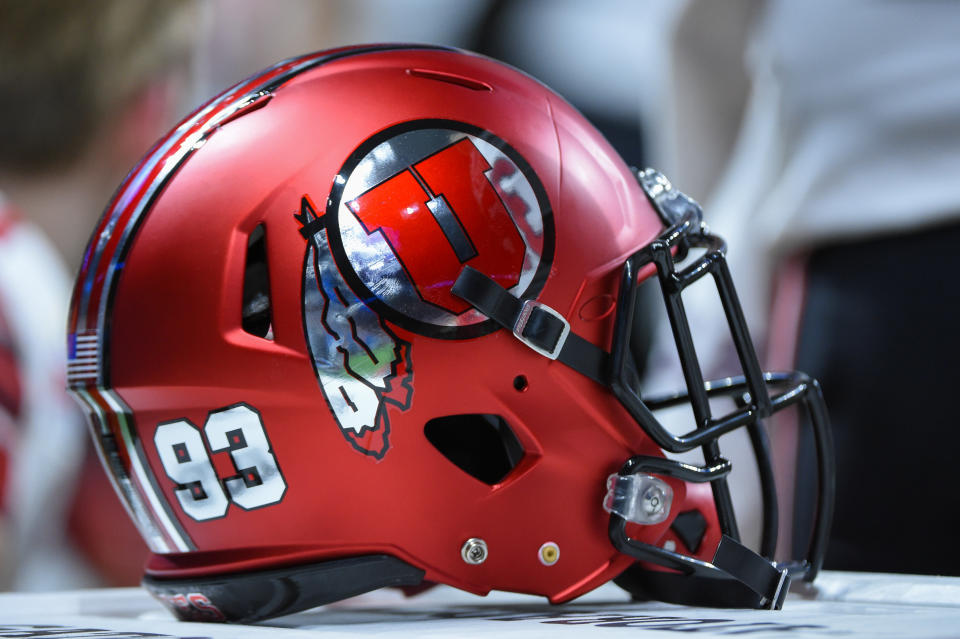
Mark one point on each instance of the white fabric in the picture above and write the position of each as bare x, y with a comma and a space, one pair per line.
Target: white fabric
852, 129
35, 293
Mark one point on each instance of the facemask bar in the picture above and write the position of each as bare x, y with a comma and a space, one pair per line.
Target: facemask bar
758, 395
755, 578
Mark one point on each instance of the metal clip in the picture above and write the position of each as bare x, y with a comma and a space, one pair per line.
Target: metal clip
524, 317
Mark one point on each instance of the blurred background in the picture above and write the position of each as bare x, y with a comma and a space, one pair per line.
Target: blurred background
822, 138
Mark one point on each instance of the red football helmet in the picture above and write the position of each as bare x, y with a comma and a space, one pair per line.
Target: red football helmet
365, 319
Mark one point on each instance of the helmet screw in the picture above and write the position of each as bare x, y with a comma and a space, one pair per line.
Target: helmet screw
474, 551
549, 553
653, 500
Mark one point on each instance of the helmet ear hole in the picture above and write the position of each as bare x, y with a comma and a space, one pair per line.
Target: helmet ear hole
483, 446
256, 315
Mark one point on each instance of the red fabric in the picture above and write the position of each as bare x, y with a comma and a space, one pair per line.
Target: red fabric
10, 386
786, 312
102, 531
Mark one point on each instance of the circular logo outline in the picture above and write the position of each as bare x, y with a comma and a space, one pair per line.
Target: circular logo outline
359, 287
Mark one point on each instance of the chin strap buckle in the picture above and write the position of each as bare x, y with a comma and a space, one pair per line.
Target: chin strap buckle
539, 326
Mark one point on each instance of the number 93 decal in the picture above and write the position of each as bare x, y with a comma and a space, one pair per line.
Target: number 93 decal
202, 494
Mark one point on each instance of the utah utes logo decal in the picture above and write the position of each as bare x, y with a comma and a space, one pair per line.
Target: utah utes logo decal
410, 207
360, 363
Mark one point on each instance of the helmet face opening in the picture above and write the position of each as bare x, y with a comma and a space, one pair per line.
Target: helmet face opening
354, 324
757, 396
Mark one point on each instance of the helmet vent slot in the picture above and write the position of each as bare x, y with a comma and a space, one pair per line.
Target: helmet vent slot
483, 446
256, 315
451, 78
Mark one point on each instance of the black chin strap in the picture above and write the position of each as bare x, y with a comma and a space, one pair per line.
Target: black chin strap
536, 325
546, 331
759, 575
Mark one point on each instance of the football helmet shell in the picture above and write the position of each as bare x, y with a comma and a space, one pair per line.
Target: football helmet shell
298, 295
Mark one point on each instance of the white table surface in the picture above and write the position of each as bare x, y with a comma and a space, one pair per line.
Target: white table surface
841, 605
